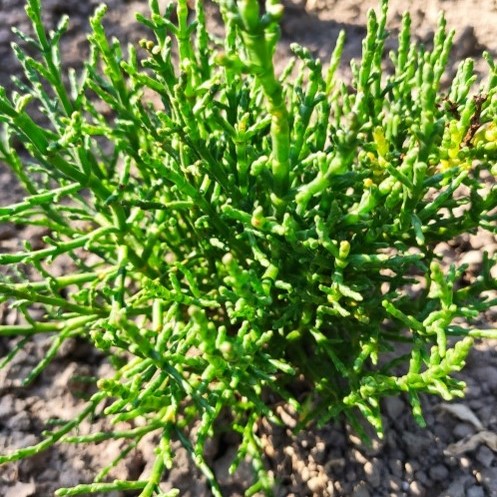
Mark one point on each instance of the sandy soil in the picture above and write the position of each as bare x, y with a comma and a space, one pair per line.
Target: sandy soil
327, 462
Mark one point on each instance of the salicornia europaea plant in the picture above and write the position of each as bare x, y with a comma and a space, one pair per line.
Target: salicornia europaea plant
232, 230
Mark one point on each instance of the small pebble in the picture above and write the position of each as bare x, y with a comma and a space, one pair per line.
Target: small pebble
486, 413
410, 467
489, 480
444, 249
416, 489
358, 457
335, 464
439, 472
485, 456
49, 474
7, 406
443, 433
347, 488
429, 418
7, 230
373, 470
481, 240
488, 376
474, 257
394, 407
451, 462
330, 489
20, 440
417, 445
394, 483
421, 477
5, 36
317, 484
457, 487
361, 490
395, 466
304, 474
350, 475
19, 422
375, 448
475, 491
319, 452
462, 430
474, 392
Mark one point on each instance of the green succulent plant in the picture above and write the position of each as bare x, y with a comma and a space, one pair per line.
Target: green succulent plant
232, 231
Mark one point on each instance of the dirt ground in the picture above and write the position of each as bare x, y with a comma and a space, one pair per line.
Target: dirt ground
328, 462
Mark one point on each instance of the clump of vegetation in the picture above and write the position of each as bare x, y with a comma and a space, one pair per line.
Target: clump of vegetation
232, 231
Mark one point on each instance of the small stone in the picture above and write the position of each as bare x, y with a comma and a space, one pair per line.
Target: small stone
395, 466
305, 475
287, 419
5, 36
348, 488
474, 392
20, 440
467, 43
7, 408
10, 4
472, 257
421, 477
7, 230
489, 480
416, 489
21, 490
335, 464
485, 456
330, 489
317, 484
416, 444
374, 448
361, 490
475, 491
462, 430
488, 375
443, 433
410, 467
481, 240
451, 462
319, 452
457, 488
50, 474
439, 472
19, 422
359, 457
444, 249
11, 317
394, 484
373, 471
486, 413
354, 439
350, 475
394, 407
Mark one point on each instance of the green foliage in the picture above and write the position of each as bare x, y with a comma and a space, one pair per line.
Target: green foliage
230, 232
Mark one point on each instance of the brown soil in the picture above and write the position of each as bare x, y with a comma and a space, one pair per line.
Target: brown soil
323, 462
